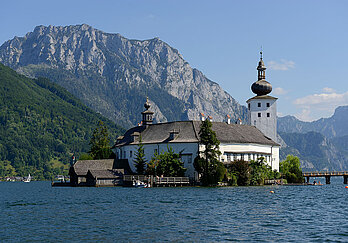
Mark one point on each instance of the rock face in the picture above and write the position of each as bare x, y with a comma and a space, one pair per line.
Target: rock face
321, 144
113, 74
334, 126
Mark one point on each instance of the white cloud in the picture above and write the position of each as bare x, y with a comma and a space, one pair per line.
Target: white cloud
279, 91
320, 105
328, 90
280, 114
283, 65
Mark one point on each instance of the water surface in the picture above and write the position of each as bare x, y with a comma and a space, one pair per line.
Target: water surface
37, 212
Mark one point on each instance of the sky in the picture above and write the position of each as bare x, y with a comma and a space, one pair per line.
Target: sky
304, 42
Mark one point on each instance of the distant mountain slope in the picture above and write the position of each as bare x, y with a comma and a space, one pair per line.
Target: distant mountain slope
42, 125
113, 75
315, 151
334, 126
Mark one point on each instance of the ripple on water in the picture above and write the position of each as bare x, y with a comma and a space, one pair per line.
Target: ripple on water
38, 212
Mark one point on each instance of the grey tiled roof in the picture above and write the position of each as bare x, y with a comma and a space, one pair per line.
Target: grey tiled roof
188, 133
81, 167
107, 173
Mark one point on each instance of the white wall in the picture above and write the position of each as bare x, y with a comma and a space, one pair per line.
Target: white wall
267, 125
149, 149
257, 149
192, 148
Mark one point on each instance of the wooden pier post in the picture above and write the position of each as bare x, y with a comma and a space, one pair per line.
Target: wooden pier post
307, 179
345, 179
328, 179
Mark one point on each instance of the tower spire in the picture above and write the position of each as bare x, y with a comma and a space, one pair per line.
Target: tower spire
261, 69
261, 86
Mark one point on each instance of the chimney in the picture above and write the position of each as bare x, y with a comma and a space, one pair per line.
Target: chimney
210, 118
202, 117
135, 136
228, 119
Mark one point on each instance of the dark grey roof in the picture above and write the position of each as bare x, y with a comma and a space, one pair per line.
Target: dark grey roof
81, 167
188, 133
107, 173
262, 97
235, 133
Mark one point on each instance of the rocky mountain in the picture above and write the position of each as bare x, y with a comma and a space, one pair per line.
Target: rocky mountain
334, 126
316, 152
321, 144
113, 74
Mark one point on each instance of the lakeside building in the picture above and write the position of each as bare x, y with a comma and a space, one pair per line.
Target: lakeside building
102, 172
237, 141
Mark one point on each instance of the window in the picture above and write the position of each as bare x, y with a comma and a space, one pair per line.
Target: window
130, 153
268, 105
242, 156
124, 154
268, 115
259, 114
155, 151
249, 106
259, 104
228, 157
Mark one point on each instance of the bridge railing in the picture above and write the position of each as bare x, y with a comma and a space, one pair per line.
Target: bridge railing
325, 173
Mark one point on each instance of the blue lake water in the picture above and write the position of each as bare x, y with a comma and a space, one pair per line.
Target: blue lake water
37, 212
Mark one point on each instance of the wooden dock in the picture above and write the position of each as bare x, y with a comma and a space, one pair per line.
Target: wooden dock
156, 181
327, 175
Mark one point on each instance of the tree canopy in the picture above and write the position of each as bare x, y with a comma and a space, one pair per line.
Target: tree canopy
291, 170
100, 143
167, 163
207, 162
42, 126
140, 160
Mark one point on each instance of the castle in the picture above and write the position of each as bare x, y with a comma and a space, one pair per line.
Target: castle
237, 141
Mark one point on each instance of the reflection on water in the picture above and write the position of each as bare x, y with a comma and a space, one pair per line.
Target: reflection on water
37, 212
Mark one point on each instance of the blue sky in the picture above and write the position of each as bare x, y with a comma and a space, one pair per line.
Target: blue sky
304, 42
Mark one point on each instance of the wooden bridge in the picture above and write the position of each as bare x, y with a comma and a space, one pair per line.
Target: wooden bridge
327, 175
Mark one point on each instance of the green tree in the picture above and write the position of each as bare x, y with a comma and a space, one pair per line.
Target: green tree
139, 160
85, 156
207, 162
241, 170
152, 165
100, 143
291, 170
259, 171
170, 164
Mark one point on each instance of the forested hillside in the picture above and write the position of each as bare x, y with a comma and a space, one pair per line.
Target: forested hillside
42, 126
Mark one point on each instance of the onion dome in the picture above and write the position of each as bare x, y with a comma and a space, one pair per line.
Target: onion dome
147, 103
261, 86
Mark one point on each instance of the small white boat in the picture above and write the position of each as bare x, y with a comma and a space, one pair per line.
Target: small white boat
28, 179
139, 183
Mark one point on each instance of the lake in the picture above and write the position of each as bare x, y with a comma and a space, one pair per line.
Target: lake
37, 212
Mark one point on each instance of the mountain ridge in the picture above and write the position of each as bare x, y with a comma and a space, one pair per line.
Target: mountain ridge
114, 65
334, 126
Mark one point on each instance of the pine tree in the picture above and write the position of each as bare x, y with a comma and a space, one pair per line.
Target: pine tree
100, 143
139, 160
207, 162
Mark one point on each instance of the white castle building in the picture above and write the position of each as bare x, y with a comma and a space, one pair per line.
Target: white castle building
237, 141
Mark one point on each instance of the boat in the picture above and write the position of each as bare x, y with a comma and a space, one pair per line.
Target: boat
28, 179
139, 184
